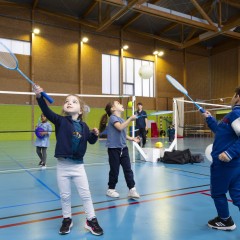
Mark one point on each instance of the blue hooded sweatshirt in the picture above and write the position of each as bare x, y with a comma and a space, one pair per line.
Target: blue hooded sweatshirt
227, 137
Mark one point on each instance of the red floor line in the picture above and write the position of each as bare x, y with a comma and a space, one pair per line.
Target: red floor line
208, 194
104, 208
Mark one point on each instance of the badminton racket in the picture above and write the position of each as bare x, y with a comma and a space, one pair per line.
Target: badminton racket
180, 88
208, 152
155, 113
9, 61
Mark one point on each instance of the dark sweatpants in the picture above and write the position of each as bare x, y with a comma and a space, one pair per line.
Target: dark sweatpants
143, 134
42, 153
117, 157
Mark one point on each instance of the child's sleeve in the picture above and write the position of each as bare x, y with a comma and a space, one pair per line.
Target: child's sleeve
212, 123
49, 129
50, 115
91, 137
234, 150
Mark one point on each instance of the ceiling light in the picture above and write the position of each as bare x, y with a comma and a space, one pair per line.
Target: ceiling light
155, 52
84, 39
125, 47
36, 30
161, 53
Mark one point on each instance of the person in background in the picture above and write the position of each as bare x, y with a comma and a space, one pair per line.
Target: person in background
44, 129
72, 136
171, 133
141, 123
118, 150
225, 167
103, 126
162, 133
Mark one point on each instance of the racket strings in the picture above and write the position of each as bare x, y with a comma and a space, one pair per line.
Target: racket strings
6, 59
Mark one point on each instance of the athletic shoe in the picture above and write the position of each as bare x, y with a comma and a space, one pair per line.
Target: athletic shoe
112, 193
218, 223
44, 166
40, 163
94, 227
66, 226
133, 193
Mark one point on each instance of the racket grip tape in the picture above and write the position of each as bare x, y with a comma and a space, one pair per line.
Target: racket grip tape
48, 98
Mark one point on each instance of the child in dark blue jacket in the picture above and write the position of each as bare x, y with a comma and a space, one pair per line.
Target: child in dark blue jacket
225, 168
72, 136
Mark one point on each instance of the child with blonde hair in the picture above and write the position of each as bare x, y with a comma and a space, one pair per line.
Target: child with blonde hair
72, 135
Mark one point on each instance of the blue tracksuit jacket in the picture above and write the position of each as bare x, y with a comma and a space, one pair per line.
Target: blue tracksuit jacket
227, 137
64, 132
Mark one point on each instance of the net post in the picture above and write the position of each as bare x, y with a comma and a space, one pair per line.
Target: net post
175, 121
133, 129
173, 145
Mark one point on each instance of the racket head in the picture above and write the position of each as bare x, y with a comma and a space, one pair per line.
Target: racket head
7, 58
38, 130
208, 152
176, 84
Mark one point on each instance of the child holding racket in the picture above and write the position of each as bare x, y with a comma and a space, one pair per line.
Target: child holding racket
72, 135
118, 150
42, 140
225, 168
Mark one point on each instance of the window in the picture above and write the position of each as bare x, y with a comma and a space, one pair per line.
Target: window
110, 74
133, 84
17, 47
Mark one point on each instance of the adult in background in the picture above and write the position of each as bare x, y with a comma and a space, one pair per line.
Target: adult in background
141, 123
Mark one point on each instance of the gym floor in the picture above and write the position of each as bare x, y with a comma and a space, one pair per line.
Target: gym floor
175, 201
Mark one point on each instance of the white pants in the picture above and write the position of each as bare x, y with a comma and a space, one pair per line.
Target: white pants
67, 171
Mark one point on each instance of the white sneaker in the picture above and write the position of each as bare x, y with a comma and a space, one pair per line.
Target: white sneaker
44, 166
133, 193
112, 193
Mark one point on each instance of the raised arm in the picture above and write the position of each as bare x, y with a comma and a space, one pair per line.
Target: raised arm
121, 126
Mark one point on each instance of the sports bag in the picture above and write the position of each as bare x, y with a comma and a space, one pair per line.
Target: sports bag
181, 157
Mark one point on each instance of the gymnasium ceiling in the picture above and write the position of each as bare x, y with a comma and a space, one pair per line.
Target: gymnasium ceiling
178, 23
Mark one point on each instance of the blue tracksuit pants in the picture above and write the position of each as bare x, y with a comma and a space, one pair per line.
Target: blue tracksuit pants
225, 179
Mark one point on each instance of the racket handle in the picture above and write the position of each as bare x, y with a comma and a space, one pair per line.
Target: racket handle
199, 108
202, 110
48, 98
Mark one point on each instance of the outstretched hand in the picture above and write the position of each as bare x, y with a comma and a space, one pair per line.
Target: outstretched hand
206, 114
136, 139
133, 117
37, 89
95, 131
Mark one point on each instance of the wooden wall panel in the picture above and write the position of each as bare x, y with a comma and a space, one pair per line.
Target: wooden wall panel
171, 63
55, 59
198, 77
224, 73
56, 64
15, 28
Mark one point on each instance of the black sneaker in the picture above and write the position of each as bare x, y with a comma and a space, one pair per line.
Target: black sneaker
94, 227
40, 163
66, 226
218, 223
